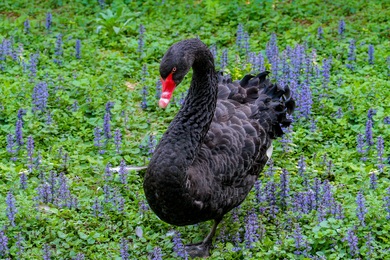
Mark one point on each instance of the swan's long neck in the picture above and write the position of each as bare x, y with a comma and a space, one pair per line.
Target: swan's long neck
181, 142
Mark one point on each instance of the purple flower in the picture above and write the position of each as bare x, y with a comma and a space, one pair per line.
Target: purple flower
19, 133
251, 227
11, 146
49, 21
371, 54
361, 209
270, 171
246, 42
109, 105
107, 191
352, 242
224, 59
124, 249
339, 113
26, 26
40, 96
178, 246
78, 49
75, 106
361, 146
158, 89
308, 69
97, 208
380, 148
49, 120
386, 120
327, 196
123, 172
21, 113
317, 190
369, 244
3, 244
213, 50
284, 188
118, 140
98, 139
338, 211
157, 254
141, 39
270, 190
370, 113
326, 67
63, 194
120, 202
369, 138
272, 52
306, 101
143, 207
260, 64
286, 138
341, 27
23, 181
239, 36
11, 208
33, 63
45, 193
320, 33
107, 172
46, 252
58, 51
387, 203
107, 125
144, 92
313, 126
80, 256
299, 240
19, 245
30, 152
373, 181
260, 195
351, 54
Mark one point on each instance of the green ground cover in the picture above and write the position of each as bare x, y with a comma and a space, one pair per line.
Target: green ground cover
79, 87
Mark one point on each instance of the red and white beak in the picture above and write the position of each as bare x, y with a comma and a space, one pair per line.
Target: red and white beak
168, 86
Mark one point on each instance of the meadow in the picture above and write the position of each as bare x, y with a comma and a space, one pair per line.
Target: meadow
79, 90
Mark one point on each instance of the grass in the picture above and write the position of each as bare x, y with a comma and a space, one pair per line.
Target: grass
72, 207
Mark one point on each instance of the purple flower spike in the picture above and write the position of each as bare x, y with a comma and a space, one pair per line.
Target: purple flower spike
178, 246
352, 242
124, 249
361, 209
78, 49
371, 54
11, 208
3, 243
380, 149
49, 21
341, 27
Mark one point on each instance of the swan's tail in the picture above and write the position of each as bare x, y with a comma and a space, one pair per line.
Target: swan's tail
271, 102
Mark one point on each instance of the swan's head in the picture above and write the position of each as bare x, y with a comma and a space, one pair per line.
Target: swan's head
173, 67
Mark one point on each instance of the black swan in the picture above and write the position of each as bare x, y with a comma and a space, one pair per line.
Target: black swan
214, 149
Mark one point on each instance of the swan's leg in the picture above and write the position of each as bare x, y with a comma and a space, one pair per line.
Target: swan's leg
202, 249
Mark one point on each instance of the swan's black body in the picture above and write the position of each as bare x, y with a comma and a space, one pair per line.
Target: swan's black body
213, 151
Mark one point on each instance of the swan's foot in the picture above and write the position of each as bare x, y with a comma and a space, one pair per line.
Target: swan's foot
202, 249
198, 250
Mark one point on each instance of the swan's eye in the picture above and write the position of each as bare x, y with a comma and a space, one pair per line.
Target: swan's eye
174, 69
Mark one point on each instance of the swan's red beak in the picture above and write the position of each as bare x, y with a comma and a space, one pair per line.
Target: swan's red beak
168, 86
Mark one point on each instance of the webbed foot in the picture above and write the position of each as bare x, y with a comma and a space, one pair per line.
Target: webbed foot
198, 250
